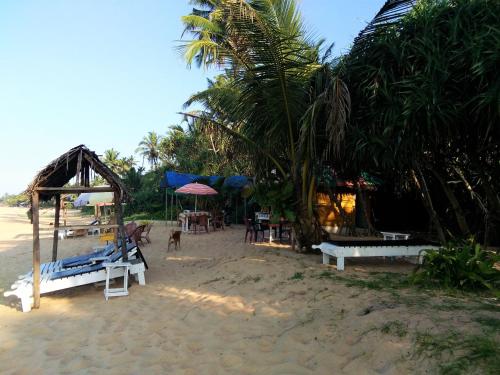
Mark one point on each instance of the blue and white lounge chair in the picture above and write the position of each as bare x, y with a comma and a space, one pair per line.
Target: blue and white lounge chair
59, 279
76, 261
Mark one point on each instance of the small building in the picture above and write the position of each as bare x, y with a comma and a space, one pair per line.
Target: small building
52, 181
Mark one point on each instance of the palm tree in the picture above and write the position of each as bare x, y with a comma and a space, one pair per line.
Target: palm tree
149, 148
112, 160
279, 98
426, 92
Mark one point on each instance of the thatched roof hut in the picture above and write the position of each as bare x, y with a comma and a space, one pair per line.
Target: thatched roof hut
79, 162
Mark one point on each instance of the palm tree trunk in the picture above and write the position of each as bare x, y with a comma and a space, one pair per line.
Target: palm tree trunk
455, 205
427, 201
362, 198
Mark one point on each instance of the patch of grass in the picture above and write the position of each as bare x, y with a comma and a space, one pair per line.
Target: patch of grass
465, 305
489, 322
394, 328
247, 279
145, 216
297, 276
458, 353
376, 281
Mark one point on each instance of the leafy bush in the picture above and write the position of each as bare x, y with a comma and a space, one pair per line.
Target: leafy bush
463, 265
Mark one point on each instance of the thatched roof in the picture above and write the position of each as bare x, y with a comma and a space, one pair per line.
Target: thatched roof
79, 162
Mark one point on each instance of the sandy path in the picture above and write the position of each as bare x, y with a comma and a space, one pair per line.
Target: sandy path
218, 306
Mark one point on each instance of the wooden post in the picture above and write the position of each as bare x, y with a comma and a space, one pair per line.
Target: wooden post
121, 228
36, 249
56, 226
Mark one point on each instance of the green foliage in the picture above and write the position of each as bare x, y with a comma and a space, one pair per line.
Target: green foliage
425, 96
196, 150
463, 265
278, 101
118, 165
278, 196
460, 353
13, 200
394, 328
145, 216
297, 276
149, 148
376, 281
489, 322
147, 196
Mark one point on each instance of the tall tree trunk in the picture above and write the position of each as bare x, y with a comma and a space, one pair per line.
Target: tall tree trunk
427, 201
492, 218
455, 204
480, 202
362, 197
307, 228
343, 215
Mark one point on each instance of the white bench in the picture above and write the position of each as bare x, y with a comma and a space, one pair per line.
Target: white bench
379, 248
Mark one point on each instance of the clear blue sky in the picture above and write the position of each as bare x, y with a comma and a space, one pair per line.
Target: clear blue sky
105, 72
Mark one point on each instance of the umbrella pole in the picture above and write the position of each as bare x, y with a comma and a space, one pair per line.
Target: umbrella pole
166, 206
195, 202
171, 205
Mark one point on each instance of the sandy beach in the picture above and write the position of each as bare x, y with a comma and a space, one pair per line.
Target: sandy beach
218, 306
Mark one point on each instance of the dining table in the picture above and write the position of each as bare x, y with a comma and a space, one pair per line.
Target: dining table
186, 217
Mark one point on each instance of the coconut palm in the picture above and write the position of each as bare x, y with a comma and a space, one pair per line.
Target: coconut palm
279, 99
149, 148
112, 159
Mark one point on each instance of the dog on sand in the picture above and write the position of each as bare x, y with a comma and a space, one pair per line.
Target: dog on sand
175, 238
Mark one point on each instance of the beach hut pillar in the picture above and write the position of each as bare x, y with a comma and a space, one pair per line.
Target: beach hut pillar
121, 229
35, 202
56, 227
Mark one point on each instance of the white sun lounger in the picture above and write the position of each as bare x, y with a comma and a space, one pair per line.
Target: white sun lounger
377, 248
72, 262
61, 279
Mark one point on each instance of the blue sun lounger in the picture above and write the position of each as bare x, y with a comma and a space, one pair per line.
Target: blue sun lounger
76, 261
71, 277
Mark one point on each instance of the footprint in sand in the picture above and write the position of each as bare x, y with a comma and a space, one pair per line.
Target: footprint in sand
54, 351
195, 347
231, 361
266, 345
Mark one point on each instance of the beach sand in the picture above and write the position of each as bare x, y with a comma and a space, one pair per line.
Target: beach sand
217, 306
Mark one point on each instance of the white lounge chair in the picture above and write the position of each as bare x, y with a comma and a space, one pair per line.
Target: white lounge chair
72, 262
377, 248
54, 278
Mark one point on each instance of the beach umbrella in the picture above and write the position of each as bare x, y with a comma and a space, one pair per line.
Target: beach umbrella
93, 199
196, 189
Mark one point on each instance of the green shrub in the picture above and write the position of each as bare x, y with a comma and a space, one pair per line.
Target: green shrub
463, 265
297, 276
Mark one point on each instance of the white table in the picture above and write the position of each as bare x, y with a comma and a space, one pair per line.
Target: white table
116, 292
395, 236
185, 216
262, 216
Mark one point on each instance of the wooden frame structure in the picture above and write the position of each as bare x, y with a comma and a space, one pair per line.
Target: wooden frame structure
79, 162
